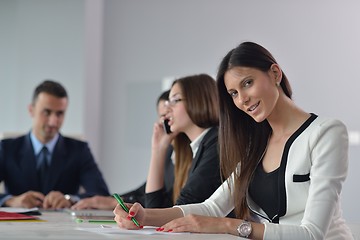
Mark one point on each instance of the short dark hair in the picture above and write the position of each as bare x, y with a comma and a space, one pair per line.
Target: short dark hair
51, 87
164, 96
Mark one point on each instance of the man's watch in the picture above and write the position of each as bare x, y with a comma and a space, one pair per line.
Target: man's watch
244, 229
70, 198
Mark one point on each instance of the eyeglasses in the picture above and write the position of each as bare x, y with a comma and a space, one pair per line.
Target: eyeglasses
172, 102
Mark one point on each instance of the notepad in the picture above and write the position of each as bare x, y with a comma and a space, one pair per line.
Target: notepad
6, 216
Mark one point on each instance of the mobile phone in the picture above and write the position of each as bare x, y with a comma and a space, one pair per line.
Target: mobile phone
166, 126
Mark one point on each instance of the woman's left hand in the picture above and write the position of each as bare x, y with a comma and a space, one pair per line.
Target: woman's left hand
196, 224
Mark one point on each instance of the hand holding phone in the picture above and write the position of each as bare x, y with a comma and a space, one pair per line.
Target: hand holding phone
166, 126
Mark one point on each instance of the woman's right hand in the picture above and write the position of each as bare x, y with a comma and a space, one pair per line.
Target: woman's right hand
123, 219
160, 139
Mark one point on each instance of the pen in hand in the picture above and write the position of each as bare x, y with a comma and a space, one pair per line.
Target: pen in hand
122, 204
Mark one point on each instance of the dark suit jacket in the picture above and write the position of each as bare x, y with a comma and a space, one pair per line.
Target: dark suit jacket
203, 179
72, 166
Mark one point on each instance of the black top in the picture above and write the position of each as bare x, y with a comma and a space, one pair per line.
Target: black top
264, 190
281, 200
203, 178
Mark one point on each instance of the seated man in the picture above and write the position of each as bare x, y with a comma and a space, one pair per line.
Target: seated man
43, 168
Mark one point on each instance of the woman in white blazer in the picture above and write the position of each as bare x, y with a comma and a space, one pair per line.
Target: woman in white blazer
284, 167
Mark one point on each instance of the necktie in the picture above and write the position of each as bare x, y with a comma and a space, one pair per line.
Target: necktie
43, 167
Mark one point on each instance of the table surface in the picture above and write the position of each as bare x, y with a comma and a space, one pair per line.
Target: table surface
61, 225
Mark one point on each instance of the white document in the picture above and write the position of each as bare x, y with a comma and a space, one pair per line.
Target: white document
113, 230
19, 210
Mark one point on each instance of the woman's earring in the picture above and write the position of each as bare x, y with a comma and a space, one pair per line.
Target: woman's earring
278, 84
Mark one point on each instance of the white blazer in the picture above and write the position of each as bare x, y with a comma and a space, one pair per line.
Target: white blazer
312, 171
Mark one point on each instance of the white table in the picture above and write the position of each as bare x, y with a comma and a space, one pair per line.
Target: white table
61, 225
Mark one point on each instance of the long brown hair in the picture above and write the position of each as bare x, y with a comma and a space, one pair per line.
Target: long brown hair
242, 140
201, 104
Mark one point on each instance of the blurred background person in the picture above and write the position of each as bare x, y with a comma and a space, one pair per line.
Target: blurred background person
43, 168
193, 118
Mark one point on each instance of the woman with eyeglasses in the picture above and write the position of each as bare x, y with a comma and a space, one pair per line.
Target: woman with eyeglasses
193, 116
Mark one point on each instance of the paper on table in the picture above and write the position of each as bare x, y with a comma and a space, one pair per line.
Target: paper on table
27, 211
113, 230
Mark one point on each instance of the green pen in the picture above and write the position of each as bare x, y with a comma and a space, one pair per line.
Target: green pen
122, 204
79, 220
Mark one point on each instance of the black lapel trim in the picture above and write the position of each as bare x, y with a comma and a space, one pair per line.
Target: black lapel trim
282, 189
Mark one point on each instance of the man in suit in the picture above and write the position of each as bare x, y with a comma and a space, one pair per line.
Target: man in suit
43, 168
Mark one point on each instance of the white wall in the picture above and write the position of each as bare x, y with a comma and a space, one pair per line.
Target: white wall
316, 43
40, 40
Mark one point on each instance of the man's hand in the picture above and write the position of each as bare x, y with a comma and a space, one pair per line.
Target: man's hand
28, 199
56, 200
97, 202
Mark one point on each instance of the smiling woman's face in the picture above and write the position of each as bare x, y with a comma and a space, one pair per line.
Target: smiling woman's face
253, 91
